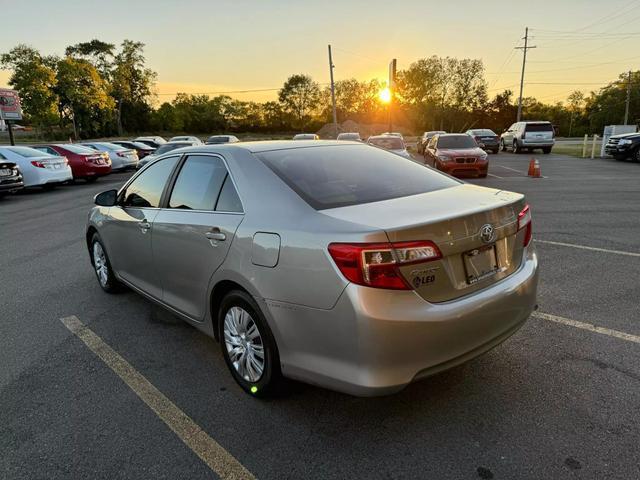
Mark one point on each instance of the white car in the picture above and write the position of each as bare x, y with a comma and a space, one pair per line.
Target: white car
121, 157
155, 139
186, 138
38, 168
390, 142
349, 136
306, 136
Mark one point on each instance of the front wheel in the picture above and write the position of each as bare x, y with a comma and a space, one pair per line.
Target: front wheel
102, 266
636, 156
248, 346
516, 148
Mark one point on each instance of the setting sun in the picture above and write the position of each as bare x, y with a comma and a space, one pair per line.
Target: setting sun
385, 95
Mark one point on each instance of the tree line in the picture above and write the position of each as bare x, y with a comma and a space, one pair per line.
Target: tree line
99, 89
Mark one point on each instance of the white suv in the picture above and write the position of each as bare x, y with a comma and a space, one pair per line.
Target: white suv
528, 135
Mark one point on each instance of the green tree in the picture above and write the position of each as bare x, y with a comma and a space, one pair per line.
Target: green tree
131, 81
99, 53
83, 95
300, 96
35, 80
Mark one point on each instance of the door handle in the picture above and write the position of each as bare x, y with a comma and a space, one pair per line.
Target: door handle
216, 235
144, 226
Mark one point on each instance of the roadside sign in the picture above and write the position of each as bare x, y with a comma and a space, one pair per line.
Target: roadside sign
10, 108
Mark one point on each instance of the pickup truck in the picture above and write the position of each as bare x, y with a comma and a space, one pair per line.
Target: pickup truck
626, 145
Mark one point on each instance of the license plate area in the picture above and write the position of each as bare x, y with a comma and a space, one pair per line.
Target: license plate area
5, 172
480, 263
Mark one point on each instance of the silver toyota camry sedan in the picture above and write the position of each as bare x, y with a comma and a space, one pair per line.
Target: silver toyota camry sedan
335, 263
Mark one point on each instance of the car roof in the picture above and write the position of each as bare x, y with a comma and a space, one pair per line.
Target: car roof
268, 145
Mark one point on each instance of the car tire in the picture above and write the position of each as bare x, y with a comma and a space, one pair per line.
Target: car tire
244, 335
102, 266
636, 156
495, 151
620, 158
546, 150
516, 148
503, 146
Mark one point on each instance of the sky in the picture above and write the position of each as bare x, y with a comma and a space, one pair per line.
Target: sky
199, 46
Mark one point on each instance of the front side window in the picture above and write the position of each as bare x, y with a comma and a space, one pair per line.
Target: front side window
145, 191
198, 184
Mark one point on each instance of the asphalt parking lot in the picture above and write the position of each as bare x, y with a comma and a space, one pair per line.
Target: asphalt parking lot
560, 399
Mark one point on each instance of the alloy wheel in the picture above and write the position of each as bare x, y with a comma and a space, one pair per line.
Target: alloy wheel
244, 344
100, 264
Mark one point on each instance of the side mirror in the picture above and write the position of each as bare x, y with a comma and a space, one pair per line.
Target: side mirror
106, 199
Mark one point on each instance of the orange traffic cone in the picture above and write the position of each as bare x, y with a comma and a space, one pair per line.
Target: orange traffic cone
536, 170
531, 167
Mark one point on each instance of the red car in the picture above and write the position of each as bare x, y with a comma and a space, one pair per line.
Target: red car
457, 154
84, 162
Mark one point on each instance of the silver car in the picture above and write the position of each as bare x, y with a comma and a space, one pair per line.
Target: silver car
527, 136
121, 157
334, 263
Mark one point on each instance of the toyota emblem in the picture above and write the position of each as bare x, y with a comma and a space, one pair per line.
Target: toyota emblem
487, 233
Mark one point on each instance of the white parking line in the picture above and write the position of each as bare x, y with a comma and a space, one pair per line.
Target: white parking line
584, 247
205, 447
512, 169
494, 176
587, 326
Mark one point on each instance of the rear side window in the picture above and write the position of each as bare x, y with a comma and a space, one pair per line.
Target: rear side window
145, 191
228, 201
198, 183
339, 176
48, 150
539, 127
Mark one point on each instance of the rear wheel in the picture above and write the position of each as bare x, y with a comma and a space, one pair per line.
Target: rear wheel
636, 156
91, 179
546, 150
495, 151
102, 266
248, 346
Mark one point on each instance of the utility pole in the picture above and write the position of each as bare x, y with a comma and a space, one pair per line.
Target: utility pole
524, 63
333, 94
626, 108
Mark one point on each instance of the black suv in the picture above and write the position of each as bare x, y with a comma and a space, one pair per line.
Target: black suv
624, 146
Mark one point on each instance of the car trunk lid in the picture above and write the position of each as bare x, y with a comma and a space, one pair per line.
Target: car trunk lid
456, 220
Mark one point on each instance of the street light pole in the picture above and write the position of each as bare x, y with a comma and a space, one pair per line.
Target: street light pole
333, 94
524, 63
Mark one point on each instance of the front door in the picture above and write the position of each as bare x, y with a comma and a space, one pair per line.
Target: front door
129, 229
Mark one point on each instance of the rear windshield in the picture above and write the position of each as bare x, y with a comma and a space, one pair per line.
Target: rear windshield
539, 127
388, 143
28, 152
218, 140
77, 149
349, 136
483, 133
457, 141
339, 176
167, 147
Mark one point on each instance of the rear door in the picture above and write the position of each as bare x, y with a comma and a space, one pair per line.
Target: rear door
193, 233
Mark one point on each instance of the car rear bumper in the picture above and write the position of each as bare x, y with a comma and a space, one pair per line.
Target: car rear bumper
43, 176
11, 184
375, 342
537, 143
90, 170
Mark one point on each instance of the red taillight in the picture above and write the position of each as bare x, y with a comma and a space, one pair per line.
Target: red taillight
524, 221
377, 264
38, 164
